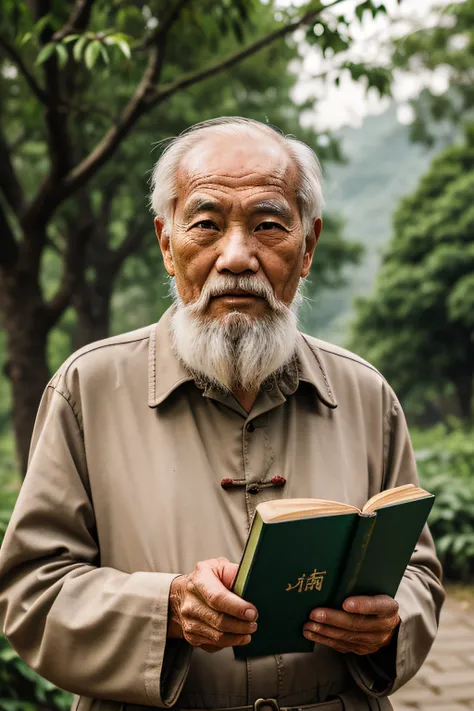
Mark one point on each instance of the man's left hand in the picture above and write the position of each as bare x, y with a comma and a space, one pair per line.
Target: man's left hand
363, 626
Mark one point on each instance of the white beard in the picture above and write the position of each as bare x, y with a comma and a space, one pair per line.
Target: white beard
235, 352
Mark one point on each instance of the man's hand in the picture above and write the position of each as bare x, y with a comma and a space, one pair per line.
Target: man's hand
365, 625
205, 612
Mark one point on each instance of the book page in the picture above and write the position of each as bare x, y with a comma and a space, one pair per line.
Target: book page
408, 492
291, 509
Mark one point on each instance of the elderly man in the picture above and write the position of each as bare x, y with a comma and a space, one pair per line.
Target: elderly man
117, 566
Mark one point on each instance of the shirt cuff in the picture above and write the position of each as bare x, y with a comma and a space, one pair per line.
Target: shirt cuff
168, 660
382, 673
376, 673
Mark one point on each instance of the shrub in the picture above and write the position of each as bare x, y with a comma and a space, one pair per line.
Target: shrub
446, 468
21, 689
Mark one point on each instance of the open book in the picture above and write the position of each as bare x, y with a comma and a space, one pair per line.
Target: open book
307, 553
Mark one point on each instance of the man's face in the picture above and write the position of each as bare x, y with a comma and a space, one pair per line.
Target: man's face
236, 214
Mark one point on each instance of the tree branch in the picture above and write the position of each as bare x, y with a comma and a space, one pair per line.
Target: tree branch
9, 183
194, 77
56, 120
49, 195
73, 264
146, 97
106, 147
164, 27
131, 244
78, 20
11, 52
9, 250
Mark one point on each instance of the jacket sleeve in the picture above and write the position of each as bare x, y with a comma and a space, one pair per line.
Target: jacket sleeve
91, 630
420, 595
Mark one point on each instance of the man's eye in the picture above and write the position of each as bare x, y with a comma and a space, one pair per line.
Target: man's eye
268, 225
206, 225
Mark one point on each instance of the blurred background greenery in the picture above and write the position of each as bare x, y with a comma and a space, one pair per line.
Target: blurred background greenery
382, 90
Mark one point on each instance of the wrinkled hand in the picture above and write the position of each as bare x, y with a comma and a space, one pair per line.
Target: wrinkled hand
204, 611
365, 625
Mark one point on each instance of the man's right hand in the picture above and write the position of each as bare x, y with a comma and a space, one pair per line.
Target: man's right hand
205, 612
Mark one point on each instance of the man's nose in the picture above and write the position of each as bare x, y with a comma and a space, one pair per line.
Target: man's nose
237, 253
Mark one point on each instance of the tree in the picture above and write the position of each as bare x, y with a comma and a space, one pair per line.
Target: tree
92, 70
418, 326
447, 45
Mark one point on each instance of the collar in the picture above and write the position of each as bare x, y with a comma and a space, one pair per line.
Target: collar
166, 373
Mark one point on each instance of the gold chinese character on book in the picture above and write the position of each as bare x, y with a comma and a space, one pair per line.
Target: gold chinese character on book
314, 581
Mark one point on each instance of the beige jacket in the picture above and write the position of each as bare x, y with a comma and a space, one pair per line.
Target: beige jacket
123, 493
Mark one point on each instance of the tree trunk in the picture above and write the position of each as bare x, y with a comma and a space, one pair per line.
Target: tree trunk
464, 386
28, 371
93, 305
26, 367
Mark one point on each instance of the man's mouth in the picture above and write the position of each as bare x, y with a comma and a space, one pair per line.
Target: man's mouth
237, 294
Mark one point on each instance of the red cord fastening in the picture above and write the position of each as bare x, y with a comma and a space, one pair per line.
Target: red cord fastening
227, 483
278, 481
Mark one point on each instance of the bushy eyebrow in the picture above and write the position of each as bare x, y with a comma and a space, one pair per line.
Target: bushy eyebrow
269, 207
201, 205
273, 207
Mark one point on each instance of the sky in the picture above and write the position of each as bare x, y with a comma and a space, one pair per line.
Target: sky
349, 103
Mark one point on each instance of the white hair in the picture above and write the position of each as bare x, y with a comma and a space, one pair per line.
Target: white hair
309, 190
236, 350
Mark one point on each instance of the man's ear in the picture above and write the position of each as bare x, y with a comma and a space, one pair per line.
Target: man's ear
164, 240
310, 246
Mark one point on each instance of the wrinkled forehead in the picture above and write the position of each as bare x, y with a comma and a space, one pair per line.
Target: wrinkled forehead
237, 163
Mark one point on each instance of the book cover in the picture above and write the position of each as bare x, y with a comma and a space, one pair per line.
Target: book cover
294, 566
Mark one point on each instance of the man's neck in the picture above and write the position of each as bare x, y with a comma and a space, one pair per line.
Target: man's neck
245, 398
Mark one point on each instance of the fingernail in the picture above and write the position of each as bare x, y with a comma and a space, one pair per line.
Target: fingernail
247, 639
349, 605
250, 614
253, 626
307, 634
318, 616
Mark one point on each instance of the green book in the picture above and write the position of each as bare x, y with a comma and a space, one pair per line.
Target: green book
307, 553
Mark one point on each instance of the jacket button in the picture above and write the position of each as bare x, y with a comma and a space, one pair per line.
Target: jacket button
253, 489
250, 427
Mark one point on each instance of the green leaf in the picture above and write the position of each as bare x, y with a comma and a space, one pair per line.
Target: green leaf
70, 38
63, 56
46, 52
78, 47
26, 38
91, 53
104, 53
120, 40
14, 705
42, 23
122, 36
125, 49
7, 654
360, 9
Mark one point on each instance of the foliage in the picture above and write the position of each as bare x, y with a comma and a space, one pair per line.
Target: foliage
21, 689
418, 326
446, 468
77, 79
447, 45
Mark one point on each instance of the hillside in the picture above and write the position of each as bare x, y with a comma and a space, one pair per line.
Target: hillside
382, 166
